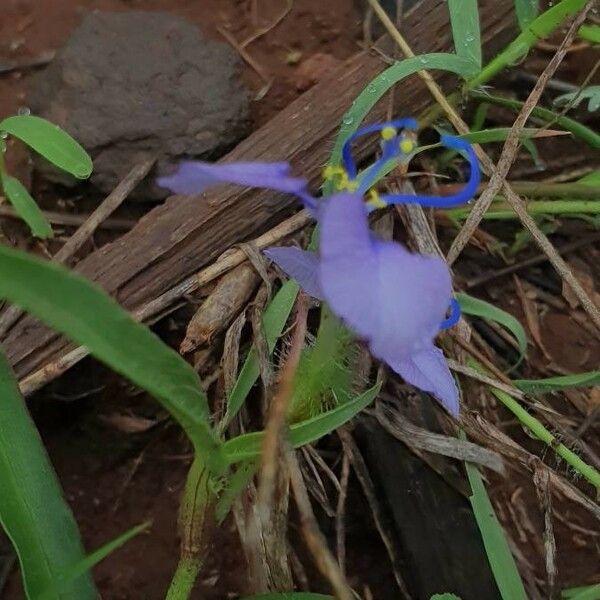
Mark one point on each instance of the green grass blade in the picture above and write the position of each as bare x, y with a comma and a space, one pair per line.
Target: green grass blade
557, 384
538, 429
33, 511
589, 33
527, 11
87, 315
51, 142
538, 29
26, 207
249, 445
464, 18
588, 592
289, 596
85, 565
499, 556
444, 597
274, 319
367, 99
480, 308
577, 129
501, 211
497, 134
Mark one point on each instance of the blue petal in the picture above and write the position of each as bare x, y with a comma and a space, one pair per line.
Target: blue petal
428, 370
193, 177
300, 265
348, 267
411, 295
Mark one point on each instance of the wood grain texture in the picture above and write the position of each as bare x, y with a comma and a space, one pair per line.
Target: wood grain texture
186, 233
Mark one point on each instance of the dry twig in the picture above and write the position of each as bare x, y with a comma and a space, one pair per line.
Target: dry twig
313, 536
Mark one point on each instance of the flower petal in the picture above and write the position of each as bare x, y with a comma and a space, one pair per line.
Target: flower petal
299, 264
411, 294
348, 264
193, 177
428, 370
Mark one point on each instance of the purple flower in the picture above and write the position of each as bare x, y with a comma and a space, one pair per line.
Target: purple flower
395, 300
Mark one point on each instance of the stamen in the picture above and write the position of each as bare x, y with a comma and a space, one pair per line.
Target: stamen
374, 200
407, 146
389, 133
469, 190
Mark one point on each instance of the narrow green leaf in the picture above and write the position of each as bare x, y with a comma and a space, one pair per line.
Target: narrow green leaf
538, 430
464, 18
527, 11
86, 564
289, 596
589, 33
592, 178
274, 319
588, 592
541, 27
499, 134
501, 560
33, 512
87, 315
234, 486
444, 597
249, 445
577, 129
26, 207
53, 143
480, 308
556, 384
367, 99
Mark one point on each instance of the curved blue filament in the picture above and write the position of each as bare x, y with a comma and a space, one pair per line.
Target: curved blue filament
390, 150
453, 317
347, 159
468, 191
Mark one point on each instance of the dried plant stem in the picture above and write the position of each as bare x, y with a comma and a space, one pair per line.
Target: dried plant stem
71, 220
541, 479
264, 30
315, 540
274, 430
498, 179
340, 530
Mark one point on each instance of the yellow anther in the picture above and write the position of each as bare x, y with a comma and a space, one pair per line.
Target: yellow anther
388, 133
330, 171
374, 200
407, 146
340, 178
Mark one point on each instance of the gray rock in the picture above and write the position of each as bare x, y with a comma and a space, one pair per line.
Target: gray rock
133, 83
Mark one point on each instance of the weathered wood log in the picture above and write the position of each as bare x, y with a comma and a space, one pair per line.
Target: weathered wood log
186, 233
431, 523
